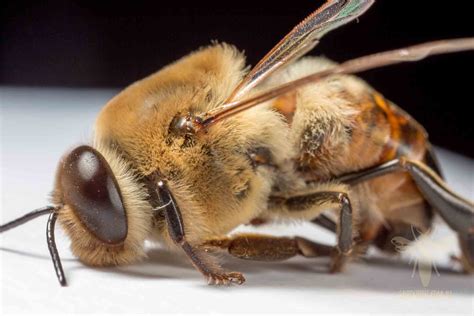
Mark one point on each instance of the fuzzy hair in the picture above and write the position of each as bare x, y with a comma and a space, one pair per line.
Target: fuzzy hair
337, 128
210, 176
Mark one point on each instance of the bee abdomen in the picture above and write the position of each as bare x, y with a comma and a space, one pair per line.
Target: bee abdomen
379, 131
407, 137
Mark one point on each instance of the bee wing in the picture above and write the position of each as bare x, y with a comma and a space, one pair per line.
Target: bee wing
304, 37
400, 243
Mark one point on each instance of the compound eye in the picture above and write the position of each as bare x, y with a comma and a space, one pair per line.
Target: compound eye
89, 187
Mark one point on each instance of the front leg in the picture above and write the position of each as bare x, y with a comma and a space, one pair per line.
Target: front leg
211, 270
202, 261
310, 206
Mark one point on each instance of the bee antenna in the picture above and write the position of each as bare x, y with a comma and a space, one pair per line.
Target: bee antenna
26, 218
53, 250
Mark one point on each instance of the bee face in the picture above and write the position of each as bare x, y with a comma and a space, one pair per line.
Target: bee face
96, 210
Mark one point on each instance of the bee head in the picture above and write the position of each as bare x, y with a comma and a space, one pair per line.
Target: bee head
101, 207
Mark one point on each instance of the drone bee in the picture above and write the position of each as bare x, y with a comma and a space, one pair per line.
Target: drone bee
189, 153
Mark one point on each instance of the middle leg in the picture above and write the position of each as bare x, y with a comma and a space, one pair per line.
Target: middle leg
260, 247
309, 206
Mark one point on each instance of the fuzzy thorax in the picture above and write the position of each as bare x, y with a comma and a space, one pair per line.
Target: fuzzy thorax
211, 175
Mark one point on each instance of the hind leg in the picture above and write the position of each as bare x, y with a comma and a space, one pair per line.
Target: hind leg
456, 211
390, 206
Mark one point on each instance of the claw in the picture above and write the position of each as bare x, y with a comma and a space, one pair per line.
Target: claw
236, 277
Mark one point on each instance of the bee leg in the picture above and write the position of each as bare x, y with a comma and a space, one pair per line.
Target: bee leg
205, 264
325, 222
343, 249
202, 261
456, 211
268, 248
209, 268
318, 201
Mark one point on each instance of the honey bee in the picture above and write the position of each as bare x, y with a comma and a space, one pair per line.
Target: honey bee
185, 155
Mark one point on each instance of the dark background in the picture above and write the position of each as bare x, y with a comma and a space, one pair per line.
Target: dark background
111, 44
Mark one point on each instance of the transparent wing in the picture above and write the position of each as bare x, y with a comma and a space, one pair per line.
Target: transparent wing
304, 37
196, 123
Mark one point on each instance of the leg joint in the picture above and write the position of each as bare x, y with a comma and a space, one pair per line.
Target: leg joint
343, 198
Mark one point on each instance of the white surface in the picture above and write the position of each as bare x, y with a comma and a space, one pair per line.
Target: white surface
38, 126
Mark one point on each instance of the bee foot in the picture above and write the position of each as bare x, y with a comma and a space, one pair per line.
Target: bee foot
338, 261
225, 278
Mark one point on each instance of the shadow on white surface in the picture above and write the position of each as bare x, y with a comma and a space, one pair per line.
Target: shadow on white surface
362, 275
375, 274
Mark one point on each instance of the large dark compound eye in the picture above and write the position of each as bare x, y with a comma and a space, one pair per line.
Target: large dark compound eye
91, 190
